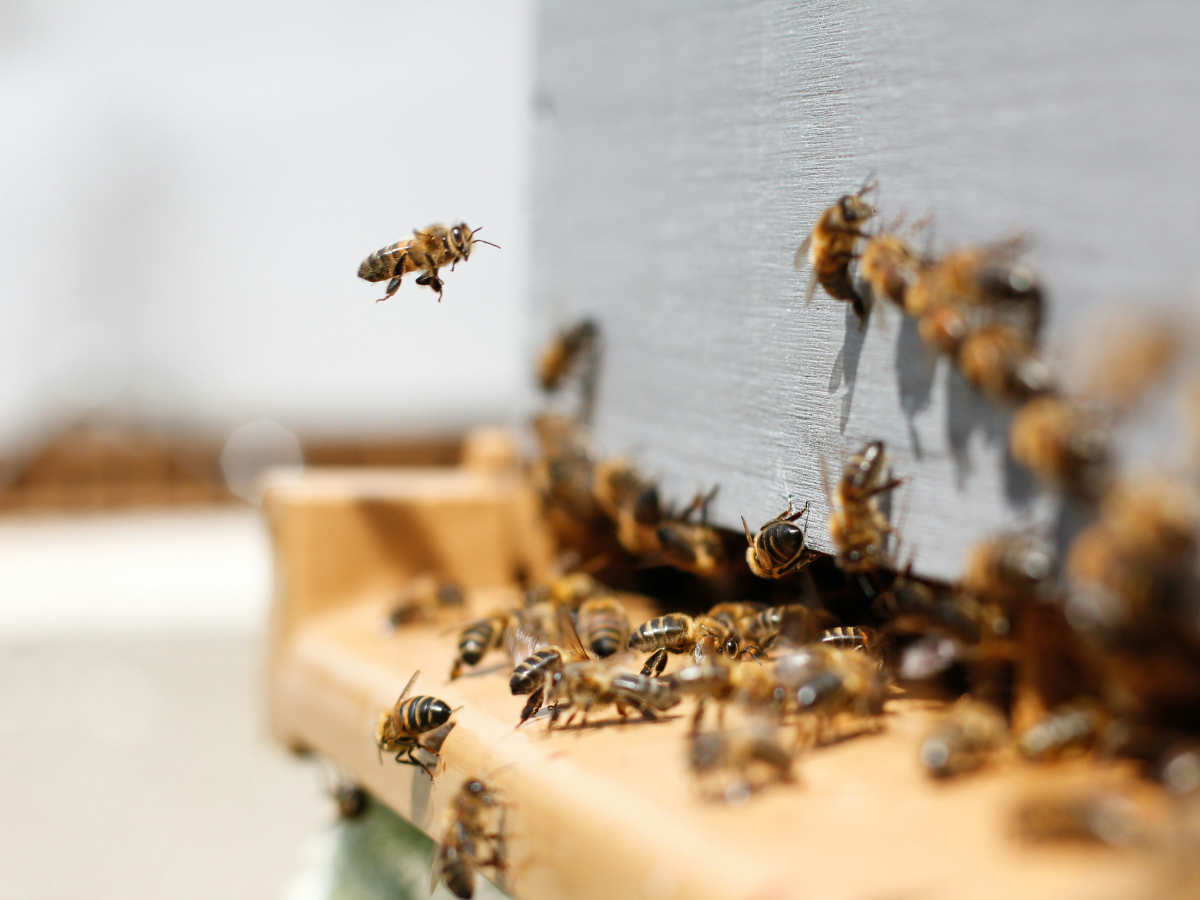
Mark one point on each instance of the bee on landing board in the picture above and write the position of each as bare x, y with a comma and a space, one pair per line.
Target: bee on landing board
425, 252
732, 764
603, 625
474, 839
777, 548
832, 246
857, 527
400, 728
584, 686
680, 633
971, 733
538, 662
478, 638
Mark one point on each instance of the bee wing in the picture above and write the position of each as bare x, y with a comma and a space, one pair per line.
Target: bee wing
570, 636
825, 480
801, 256
812, 287
522, 639
408, 687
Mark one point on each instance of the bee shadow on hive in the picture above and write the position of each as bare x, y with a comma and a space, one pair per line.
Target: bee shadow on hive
845, 366
915, 371
968, 413
617, 722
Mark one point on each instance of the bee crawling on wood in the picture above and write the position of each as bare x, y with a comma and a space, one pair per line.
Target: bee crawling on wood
793, 621
823, 683
889, 266
474, 839
584, 686
732, 764
681, 633
478, 638
832, 246
603, 625
539, 663
631, 501
852, 637
426, 252
857, 527
777, 548
399, 728
421, 601
752, 686
967, 738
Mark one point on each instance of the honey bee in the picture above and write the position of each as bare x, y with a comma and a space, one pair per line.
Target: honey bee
979, 277
680, 633
1061, 444
473, 840
399, 728
692, 546
1008, 570
535, 669
752, 686
603, 625
562, 472
735, 616
750, 758
971, 732
584, 686
832, 246
889, 266
830, 682
426, 251
631, 502
853, 637
478, 638
857, 527
777, 549
793, 621
1000, 361
1070, 726
571, 348
420, 602
1091, 814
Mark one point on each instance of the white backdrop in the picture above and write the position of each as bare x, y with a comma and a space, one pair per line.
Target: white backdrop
187, 188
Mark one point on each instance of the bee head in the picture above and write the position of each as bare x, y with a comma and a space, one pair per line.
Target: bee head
855, 208
460, 236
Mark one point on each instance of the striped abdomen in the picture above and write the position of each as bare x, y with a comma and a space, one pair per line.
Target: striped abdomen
671, 632
419, 714
390, 261
848, 638
531, 674
793, 621
782, 544
644, 693
605, 626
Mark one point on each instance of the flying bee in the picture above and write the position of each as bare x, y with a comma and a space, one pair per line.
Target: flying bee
1000, 361
857, 526
473, 840
969, 735
853, 637
832, 246
603, 625
680, 633
399, 728
420, 602
586, 685
793, 621
889, 266
1070, 726
1008, 570
750, 758
426, 252
777, 549
572, 348
692, 546
478, 638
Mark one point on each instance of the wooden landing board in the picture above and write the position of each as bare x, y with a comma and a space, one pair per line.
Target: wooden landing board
611, 811
685, 149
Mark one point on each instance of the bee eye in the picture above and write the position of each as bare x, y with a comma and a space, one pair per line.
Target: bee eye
731, 647
458, 234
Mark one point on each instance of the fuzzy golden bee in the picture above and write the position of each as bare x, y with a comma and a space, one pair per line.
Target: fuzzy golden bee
832, 246
474, 839
425, 252
680, 633
857, 527
572, 350
1061, 444
967, 738
889, 266
777, 548
603, 625
585, 686
400, 728
1000, 360
692, 546
1008, 570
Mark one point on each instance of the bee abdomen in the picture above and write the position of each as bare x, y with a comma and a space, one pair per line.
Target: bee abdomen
783, 542
421, 713
531, 673
846, 638
475, 640
381, 265
661, 632
644, 692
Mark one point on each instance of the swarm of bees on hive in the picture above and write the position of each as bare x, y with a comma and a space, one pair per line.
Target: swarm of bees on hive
1088, 643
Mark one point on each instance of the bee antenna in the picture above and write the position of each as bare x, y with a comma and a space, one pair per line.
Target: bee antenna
489, 243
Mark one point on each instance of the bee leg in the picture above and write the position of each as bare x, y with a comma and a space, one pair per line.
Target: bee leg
456, 670
658, 659
413, 761
698, 717
532, 707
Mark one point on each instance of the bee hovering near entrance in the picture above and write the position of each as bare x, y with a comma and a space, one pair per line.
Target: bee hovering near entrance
425, 252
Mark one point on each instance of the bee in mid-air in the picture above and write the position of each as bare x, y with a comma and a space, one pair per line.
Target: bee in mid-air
680, 633
474, 839
857, 526
777, 549
832, 246
400, 728
426, 252
969, 735
562, 472
631, 502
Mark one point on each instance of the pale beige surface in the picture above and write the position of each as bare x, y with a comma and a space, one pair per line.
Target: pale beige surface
139, 768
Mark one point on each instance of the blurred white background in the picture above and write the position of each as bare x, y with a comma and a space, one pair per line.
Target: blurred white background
186, 191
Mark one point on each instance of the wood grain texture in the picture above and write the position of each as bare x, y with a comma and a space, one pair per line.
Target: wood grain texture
684, 150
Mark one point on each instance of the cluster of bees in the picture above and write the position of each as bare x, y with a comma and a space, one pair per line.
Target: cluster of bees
1086, 641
